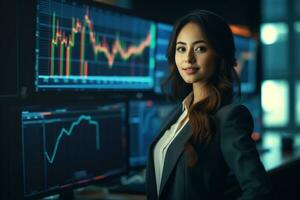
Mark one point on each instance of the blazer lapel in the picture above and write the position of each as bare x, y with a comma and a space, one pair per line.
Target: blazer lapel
151, 186
173, 153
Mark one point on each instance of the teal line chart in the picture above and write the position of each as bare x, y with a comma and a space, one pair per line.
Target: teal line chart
69, 133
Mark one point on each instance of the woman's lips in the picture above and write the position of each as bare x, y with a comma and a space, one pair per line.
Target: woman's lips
190, 70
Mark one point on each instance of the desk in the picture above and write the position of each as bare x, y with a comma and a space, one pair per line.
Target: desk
94, 192
275, 159
115, 197
282, 166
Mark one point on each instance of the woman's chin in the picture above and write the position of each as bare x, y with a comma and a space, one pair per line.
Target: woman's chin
190, 80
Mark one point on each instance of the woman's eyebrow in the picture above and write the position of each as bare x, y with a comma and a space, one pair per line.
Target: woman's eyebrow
195, 42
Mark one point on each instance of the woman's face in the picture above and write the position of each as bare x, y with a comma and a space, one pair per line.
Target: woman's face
194, 56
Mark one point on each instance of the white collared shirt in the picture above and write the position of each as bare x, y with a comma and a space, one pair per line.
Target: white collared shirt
164, 142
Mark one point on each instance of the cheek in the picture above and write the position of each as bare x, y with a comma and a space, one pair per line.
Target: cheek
211, 70
212, 67
209, 62
208, 65
179, 59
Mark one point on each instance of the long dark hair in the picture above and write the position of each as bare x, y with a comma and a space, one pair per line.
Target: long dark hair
220, 86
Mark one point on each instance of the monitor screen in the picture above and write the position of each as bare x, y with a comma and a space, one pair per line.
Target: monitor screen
163, 35
246, 49
145, 120
89, 47
67, 147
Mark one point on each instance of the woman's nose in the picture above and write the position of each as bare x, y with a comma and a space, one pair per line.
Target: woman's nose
190, 56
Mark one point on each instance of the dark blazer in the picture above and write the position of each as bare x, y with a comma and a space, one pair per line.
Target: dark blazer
231, 148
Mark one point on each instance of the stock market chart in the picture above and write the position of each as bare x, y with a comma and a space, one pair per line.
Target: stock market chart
62, 146
81, 46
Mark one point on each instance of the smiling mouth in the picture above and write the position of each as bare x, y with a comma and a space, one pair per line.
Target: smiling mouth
190, 70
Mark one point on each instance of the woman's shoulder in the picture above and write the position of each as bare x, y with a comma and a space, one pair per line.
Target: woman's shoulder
234, 113
232, 110
234, 121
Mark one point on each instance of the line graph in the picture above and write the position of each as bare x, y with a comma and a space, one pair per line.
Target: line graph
75, 43
69, 132
64, 145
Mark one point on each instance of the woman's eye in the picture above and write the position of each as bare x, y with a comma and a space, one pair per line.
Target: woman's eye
200, 49
180, 49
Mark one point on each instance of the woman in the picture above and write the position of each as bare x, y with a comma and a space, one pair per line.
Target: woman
207, 136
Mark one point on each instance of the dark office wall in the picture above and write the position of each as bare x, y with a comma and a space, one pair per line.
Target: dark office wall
245, 12
8, 49
10, 182
9, 97
8, 85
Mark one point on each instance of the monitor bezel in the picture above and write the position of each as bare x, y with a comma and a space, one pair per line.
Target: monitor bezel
27, 45
73, 186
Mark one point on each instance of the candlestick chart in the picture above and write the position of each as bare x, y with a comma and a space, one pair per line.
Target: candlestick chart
86, 47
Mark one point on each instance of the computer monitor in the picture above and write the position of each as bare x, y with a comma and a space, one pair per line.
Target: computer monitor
91, 46
163, 35
69, 147
145, 120
246, 53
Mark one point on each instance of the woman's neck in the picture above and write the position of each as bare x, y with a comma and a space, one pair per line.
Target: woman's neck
199, 91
